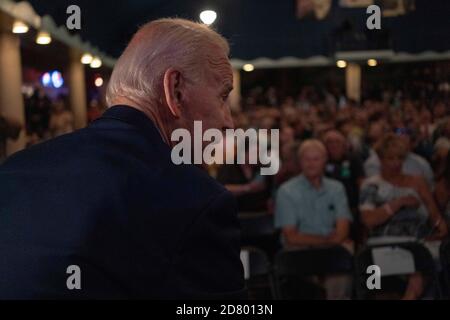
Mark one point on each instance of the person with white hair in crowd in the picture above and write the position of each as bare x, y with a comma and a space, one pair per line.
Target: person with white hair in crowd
312, 211
109, 201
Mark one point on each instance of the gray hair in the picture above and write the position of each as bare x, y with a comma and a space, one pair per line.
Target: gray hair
312, 144
156, 47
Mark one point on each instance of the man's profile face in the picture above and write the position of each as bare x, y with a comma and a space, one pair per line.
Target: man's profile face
207, 100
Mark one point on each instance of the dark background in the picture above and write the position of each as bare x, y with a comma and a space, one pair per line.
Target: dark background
258, 28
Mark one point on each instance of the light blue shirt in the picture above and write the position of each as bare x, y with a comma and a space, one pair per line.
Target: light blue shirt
312, 211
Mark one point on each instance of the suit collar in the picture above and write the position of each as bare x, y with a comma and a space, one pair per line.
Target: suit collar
135, 118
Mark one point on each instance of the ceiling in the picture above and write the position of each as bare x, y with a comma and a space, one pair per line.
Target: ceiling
258, 28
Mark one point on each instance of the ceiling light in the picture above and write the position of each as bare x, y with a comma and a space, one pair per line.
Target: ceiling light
96, 63
341, 64
43, 38
248, 67
372, 62
19, 27
87, 58
208, 17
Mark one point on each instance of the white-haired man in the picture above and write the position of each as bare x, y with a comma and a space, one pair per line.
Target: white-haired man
103, 212
312, 211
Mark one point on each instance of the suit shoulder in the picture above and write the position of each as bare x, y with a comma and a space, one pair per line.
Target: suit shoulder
191, 177
54, 148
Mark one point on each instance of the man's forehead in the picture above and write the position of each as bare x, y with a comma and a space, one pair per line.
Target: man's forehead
222, 71
225, 77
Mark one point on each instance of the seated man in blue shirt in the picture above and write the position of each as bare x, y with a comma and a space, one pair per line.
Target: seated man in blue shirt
312, 210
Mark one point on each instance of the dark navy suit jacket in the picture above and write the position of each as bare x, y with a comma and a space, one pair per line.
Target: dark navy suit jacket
108, 198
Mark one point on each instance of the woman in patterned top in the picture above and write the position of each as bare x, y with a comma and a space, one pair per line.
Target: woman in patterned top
442, 192
395, 204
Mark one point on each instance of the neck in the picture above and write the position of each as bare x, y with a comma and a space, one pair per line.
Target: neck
152, 114
315, 181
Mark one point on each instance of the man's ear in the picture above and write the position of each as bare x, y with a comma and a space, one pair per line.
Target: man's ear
172, 91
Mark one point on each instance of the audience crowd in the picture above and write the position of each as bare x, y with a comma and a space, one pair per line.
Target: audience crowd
48, 118
351, 173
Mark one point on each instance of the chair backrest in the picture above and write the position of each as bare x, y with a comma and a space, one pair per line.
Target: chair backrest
423, 263
445, 262
256, 224
318, 261
258, 262
296, 265
259, 278
257, 230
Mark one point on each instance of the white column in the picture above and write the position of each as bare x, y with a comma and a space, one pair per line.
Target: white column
353, 81
11, 100
77, 89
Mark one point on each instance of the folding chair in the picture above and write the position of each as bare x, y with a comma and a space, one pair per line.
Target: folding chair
257, 230
258, 274
292, 268
423, 263
445, 262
